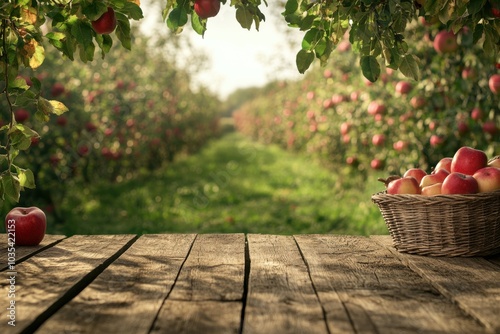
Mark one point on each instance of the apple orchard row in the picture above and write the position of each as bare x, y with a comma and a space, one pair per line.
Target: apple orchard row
120, 121
394, 123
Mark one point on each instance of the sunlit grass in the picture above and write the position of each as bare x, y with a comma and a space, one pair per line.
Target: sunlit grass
232, 185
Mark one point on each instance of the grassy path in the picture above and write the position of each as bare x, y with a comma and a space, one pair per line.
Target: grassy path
232, 185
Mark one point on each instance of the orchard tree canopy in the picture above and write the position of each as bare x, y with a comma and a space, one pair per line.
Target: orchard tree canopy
376, 28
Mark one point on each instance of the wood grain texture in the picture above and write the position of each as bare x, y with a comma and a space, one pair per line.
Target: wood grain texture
44, 279
364, 288
281, 298
471, 283
23, 252
126, 296
208, 294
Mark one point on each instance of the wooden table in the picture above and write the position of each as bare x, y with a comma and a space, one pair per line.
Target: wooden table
237, 283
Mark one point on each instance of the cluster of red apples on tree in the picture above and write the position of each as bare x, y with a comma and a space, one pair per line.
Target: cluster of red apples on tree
467, 172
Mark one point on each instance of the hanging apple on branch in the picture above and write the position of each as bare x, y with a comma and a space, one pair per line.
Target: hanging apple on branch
376, 28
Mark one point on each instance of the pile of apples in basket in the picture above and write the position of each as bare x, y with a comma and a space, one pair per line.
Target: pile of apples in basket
468, 172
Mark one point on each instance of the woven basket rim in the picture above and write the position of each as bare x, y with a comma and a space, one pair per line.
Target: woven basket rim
383, 195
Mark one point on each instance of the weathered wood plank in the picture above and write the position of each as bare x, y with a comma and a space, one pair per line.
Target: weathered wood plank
126, 296
208, 294
363, 287
281, 297
472, 283
22, 252
43, 281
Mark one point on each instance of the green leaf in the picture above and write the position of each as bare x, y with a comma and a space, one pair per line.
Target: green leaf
304, 60
474, 6
291, 7
19, 83
198, 26
311, 38
177, 18
244, 17
370, 68
51, 107
409, 67
433, 7
11, 187
38, 57
56, 39
26, 178
25, 99
123, 31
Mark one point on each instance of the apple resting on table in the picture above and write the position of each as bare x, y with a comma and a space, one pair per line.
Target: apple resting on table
28, 224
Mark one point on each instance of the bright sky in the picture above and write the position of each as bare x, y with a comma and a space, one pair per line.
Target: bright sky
241, 58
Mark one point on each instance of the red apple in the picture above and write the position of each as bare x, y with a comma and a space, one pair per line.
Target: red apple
468, 160
376, 108
469, 73
488, 179
377, 164
490, 127
351, 160
436, 140
206, 8
83, 150
378, 139
432, 190
418, 102
459, 183
344, 128
462, 128
476, 114
403, 87
57, 89
404, 185
21, 115
28, 224
417, 173
494, 83
400, 145
105, 24
437, 177
62, 120
445, 42
444, 163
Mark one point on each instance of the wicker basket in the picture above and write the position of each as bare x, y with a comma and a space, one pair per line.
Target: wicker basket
443, 225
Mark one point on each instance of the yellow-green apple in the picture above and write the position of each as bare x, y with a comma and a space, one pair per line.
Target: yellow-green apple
488, 179
445, 42
459, 183
494, 162
432, 190
106, 23
444, 163
417, 173
468, 160
27, 224
437, 177
404, 185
